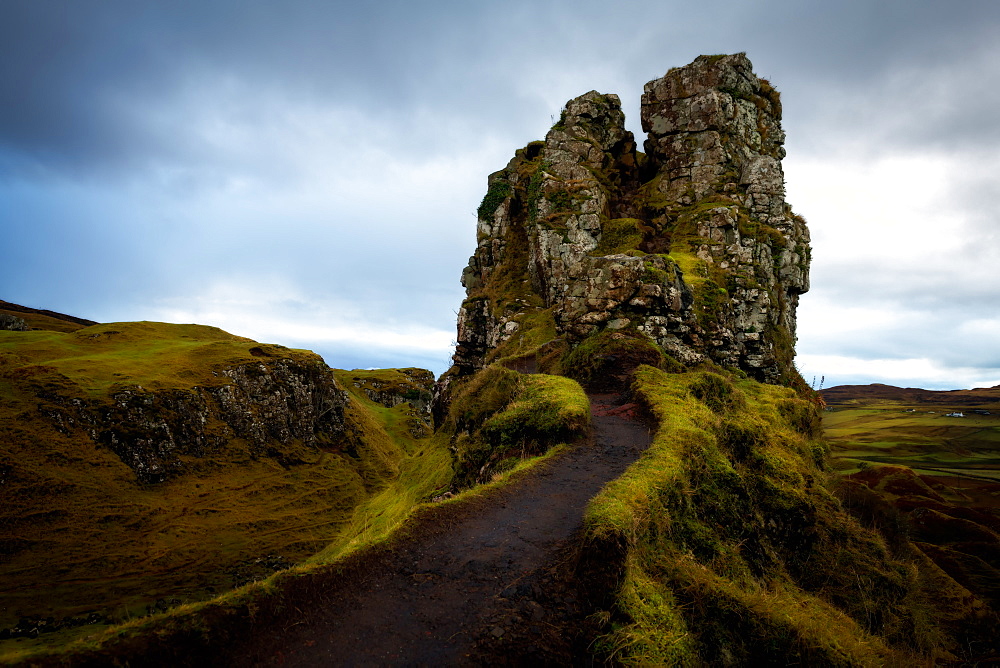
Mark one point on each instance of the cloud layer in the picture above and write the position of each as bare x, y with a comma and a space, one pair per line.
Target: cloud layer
307, 172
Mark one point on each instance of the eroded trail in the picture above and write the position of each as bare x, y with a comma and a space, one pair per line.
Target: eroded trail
468, 580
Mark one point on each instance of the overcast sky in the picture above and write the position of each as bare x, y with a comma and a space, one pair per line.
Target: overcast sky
307, 173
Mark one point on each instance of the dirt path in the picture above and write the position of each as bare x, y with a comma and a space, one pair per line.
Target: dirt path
485, 581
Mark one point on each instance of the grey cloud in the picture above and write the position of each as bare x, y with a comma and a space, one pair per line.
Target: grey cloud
914, 288
126, 93
69, 67
65, 67
911, 103
914, 339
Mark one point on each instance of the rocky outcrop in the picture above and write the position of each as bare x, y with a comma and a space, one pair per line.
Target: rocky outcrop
395, 387
690, 244
12, 323
262, 406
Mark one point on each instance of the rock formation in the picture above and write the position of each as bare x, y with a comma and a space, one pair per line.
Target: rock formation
690, 245
12, 323
268, 404
280, 398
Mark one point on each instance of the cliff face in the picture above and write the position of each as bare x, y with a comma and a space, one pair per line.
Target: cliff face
690, 245
267, 405
262, 396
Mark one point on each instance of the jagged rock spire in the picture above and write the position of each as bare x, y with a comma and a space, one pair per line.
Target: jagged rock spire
690, 245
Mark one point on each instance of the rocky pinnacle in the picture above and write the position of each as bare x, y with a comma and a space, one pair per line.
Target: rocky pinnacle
690, 244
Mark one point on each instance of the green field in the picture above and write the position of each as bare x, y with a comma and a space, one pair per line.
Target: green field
920, 437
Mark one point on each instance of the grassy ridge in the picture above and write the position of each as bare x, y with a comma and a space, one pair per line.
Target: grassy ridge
125, 549
40, 319
100, 358
425, 469
79, 534
731, 548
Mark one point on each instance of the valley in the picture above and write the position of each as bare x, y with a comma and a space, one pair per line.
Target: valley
926, 469
133, 479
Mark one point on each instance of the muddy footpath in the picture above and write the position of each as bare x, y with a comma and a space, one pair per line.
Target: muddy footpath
488, 582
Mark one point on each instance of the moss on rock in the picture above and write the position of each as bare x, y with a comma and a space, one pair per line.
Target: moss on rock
606, 360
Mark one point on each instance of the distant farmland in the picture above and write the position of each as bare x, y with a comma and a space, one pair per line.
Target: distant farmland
872, 428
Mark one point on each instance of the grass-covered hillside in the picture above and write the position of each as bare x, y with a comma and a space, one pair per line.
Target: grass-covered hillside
732, 544
149, 472
144, 465
937, 440
153, 477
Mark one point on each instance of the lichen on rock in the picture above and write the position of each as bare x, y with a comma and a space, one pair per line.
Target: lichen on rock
690, 244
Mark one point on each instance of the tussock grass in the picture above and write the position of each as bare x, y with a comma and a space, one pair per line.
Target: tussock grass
734, 552
500, 416
546, 408
604, 361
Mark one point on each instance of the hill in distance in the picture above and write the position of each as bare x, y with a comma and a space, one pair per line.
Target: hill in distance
910, 462
879, 393
18, 317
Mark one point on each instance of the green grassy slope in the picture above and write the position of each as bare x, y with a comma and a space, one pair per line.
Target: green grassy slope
928, 478
81, 532
498, 417
101, 358
731, 541
387, 413
732, 550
